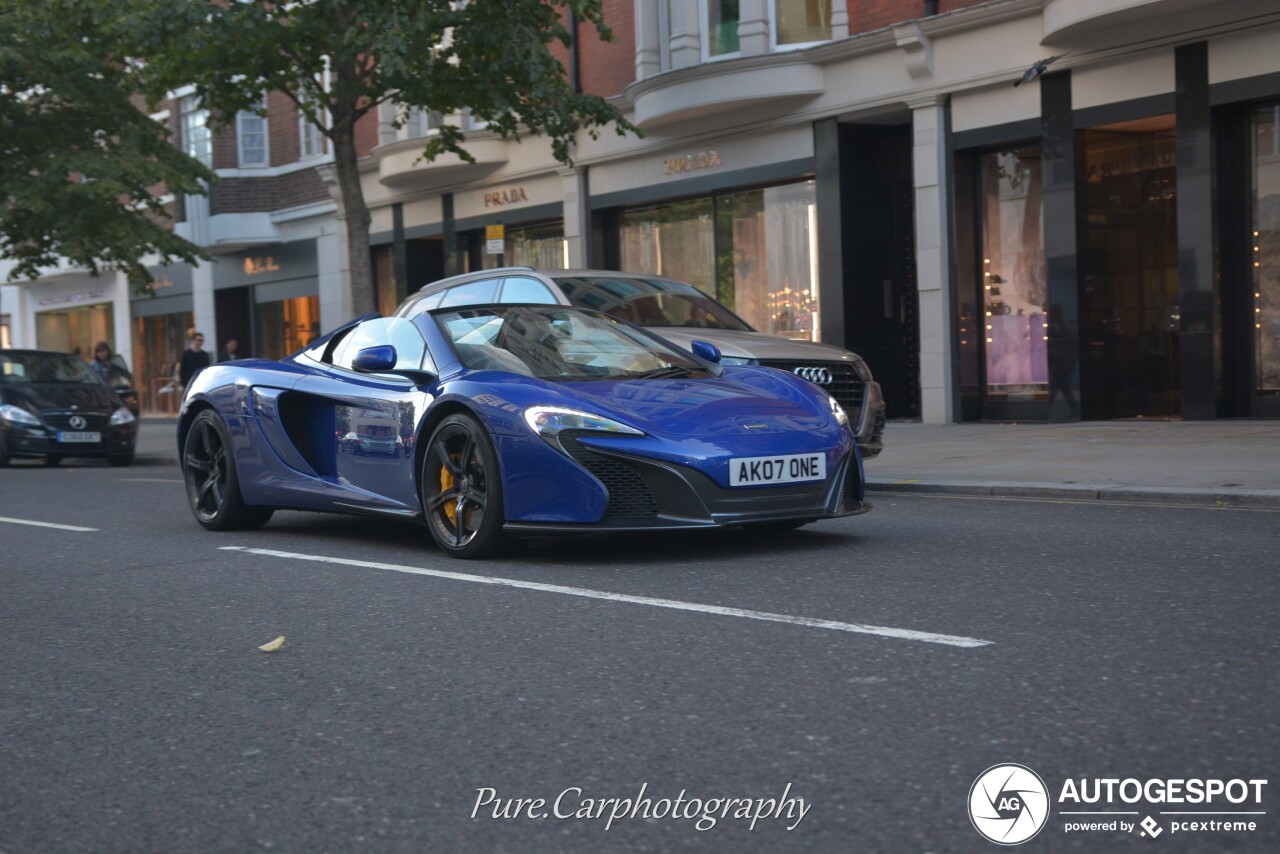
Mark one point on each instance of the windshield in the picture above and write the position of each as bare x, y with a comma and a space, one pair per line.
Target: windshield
44, 368
558, 343
649, 302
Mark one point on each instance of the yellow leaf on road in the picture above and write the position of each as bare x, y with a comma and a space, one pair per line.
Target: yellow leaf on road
274, 645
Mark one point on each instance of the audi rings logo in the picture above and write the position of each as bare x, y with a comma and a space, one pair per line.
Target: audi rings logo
1008, 804
817, 376
78, 422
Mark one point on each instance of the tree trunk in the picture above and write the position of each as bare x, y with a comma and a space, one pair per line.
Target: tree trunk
355, 211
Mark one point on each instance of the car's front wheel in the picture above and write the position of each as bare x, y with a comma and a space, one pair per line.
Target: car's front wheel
462, 489
213, 488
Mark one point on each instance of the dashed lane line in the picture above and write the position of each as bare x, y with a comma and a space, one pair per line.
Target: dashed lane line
45, 524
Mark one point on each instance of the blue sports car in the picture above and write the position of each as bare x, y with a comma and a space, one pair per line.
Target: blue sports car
511, 422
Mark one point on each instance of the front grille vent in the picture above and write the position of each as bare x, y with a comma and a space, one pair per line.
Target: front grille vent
846, 386
62, 420
629, 495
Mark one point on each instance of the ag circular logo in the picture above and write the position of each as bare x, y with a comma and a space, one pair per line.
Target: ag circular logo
1008, 804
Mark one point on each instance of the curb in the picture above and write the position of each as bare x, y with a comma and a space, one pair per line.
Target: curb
1254, 499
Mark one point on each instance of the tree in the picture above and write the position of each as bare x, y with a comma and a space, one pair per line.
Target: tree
339, 60
79, 160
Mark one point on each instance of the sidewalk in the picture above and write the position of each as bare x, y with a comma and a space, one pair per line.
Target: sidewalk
1221, 463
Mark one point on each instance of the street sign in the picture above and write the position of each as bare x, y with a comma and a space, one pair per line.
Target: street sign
495, 232
494, 247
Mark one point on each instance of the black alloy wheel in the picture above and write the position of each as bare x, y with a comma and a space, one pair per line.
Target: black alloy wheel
213, 489
462, 489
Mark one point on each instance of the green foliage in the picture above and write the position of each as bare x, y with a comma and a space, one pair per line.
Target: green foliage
79, 160
492, 57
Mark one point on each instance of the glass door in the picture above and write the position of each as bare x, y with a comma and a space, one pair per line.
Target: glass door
1129, 270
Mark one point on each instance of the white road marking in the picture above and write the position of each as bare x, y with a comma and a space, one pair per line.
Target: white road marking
586, 593
45, 524
151, 479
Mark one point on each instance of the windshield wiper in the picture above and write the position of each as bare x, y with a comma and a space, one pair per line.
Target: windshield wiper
668, 371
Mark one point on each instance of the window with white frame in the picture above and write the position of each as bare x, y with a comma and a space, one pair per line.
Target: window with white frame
197, 142
310, 137
420, 122
800, 22
720, 27
251, 136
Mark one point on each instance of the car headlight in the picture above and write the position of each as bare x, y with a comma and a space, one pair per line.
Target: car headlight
837, 411
14, 415
736, 360
547, 421
121, 416
863, 371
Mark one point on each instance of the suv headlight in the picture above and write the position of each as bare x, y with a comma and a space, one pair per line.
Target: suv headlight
14, 415
547, 421
121, 416
863, 371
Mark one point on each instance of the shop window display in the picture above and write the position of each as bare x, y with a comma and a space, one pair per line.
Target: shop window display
753, 250
1013, 275
1266, 248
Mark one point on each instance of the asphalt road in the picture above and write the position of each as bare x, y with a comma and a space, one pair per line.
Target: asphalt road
875, 666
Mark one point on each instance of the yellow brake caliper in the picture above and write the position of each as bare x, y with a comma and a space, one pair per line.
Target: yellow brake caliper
446, 484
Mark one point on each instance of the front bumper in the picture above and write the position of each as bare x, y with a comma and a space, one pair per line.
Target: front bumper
651, 495
23, 442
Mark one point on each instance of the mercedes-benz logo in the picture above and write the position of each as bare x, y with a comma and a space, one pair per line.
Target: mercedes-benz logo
1008, 804
817, 376
78, 422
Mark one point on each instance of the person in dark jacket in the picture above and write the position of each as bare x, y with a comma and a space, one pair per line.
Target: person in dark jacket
193, 359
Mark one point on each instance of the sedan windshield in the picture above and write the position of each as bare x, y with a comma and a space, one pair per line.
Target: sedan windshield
44, 368
649, 302
558, 343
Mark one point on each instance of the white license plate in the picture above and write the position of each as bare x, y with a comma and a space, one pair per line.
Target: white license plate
79, 437
792, 468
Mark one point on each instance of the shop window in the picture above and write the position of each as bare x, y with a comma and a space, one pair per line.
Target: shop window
676, 240
76, 330
1015, 325
754, 250
6, 337
721, 19
286, 326
1266, 249
800, 22
158, 342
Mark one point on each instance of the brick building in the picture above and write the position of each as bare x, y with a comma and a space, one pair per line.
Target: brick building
1101, 241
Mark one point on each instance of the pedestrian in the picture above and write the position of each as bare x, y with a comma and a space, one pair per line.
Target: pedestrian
230, 351
101, 363
193, 359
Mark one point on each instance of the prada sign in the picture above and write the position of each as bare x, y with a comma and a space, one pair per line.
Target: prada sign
692, 162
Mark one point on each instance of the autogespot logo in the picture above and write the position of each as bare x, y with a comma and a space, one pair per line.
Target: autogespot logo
1008, 804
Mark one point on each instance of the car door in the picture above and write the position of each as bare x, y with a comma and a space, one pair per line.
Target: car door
374, 417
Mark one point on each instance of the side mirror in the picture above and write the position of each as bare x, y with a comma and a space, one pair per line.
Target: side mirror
704, 350
382, 360
375, 360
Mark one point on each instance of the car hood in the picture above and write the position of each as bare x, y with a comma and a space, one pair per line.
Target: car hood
755, 345
745, 401
41, 397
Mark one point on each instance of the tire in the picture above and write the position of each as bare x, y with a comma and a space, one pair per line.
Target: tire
462, 490
213, 487
52, 460
121, 459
